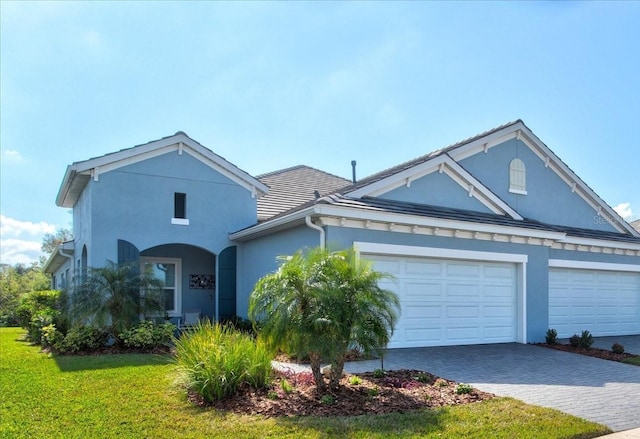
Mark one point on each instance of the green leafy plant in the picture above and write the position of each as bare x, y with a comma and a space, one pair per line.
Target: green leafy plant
321, 304
551, 336
84, 338
379, 373
441, 383
463, 388
586, 340
355, 380
424, 378
286, 386
574, 340
617, 348
327, 399
37, 310
373, 392
147, 335
214, 360
51, 337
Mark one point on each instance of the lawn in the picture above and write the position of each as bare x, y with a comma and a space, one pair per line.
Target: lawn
133, 396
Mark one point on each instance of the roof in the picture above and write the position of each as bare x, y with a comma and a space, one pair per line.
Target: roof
292, 187
59, 257
636, 225
78, 174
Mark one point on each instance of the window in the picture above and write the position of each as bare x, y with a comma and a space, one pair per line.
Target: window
517, 177
180, 209
167, 271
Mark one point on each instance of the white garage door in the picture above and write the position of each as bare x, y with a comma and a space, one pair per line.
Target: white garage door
451, 302
601, 302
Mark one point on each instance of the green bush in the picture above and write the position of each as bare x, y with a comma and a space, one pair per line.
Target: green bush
574, 340
38, 309
147, 335
84, 338
51, 337
551, 337
586, 340
215, 360
617, 348
463, 388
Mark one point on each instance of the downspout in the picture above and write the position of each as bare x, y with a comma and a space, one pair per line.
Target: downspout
307, 220
73, 263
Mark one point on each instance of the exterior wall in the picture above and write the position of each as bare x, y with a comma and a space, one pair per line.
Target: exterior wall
439, 190
549, 199
82, 226
257, 258
136, 203
537, 270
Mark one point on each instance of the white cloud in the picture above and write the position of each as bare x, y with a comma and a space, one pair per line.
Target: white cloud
12, 156
15, 228
17, 250
624, 210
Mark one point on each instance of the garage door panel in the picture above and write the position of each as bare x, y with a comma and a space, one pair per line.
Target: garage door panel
447, 302
602, 302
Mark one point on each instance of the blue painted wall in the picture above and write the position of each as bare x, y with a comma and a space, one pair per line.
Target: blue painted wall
549, 199
257, 258
438, 190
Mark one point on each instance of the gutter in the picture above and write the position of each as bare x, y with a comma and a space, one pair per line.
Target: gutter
307, 220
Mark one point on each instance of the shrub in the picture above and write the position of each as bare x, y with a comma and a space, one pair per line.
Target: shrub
239, 323
51, 337
586, 340
355, 380
379, 373
215, 360
463, 388
147, 335
551, 337
38, 309
617, 348
84, 338
574, 340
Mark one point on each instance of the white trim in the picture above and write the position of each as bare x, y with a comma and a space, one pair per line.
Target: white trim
437, 252
177, 312
180, 221
517, 191
588, 265
601, 243
440, 164
446, 253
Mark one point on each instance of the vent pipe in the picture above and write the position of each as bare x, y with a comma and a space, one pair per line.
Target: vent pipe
353, 170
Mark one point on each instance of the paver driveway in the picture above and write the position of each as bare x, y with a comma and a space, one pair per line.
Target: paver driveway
598, 390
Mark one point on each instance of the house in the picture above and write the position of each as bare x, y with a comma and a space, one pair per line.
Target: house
493, 239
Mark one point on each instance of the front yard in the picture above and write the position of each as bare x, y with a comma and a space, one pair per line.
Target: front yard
134, 396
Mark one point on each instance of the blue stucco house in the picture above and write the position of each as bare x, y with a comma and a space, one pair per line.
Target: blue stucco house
493, 239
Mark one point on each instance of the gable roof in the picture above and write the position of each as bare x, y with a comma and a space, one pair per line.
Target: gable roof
636, 225
293, 187
78, 174
483, 142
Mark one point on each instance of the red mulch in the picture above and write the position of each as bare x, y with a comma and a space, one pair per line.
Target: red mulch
592, 352
396, 391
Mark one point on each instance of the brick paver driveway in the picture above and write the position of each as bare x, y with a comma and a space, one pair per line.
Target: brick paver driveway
598, 390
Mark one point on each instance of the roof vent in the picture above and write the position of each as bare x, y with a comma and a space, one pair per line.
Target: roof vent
316, 194
353, 171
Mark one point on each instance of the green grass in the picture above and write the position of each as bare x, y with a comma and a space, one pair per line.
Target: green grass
633, 360
134, 396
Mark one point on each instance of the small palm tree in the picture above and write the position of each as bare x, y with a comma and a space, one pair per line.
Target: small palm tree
116, 295
323, 303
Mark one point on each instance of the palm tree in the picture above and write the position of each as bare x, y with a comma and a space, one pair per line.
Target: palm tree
116, 295
323, 303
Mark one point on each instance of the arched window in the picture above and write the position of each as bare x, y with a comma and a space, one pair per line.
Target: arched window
83, 267
517, 177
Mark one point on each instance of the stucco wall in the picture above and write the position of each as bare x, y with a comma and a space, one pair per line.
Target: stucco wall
549, 199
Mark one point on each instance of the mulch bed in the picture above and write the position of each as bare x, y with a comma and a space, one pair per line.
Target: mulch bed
396, 391
592, 352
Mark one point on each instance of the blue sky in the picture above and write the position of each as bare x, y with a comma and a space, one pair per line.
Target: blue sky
272, 85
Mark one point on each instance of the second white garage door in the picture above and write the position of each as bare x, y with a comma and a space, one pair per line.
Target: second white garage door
602, 302
451, 302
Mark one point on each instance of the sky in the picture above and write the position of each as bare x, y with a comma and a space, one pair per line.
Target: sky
269, 85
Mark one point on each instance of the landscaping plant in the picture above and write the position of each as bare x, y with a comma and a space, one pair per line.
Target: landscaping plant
552, 336
321, 304
586, 340
215, 360
617, 348
147, 335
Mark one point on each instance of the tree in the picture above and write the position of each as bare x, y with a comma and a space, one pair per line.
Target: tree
323, 303
51, 241
16, 281
116, 295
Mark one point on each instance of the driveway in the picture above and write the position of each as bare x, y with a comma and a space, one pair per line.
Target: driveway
598, 390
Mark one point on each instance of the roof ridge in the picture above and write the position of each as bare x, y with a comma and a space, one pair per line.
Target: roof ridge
293, 168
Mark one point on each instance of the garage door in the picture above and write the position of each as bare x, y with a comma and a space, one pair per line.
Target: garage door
451, 302
602, 302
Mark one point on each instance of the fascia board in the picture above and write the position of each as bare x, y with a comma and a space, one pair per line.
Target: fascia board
461, 176
264, 228
61, 198
601, 243
486, 142
346, 212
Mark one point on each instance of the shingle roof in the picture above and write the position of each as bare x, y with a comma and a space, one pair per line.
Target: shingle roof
292, 187
636, 225
382, 205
